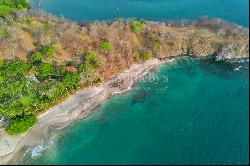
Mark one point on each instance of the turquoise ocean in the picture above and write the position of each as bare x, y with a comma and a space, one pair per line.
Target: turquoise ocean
79, 10
186, 112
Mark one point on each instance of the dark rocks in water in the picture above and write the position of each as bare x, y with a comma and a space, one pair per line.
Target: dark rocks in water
140, 96
85, 23
188, 66
222, 69
226, 52
103, 120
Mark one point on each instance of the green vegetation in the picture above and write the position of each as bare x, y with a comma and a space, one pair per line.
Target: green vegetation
3, 32
136, 26
47, 25
21, 124
71, 63
44, 54
198, 33
45, 71
9, 6
143, 56
91, 61
27, 88
156, 45
106, 47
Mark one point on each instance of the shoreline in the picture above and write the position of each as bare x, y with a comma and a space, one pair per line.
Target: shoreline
77, 106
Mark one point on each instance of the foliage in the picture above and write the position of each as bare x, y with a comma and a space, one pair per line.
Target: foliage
3, 32
106, 47
71, 63
59, 71
47, 26
136, 26
91, 61
45, 71
144, 56
9, 6
21, 97
43, 54
21, 124
198, 33
4, 10
156, 45
71, 80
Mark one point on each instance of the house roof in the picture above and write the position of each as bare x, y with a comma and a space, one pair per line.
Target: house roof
71, 68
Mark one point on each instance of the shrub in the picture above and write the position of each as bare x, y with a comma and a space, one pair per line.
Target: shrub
47, 26
144, 56
198, 33
45, 52
91, 60
20, 124
3, 32
97, 80
2, 63
156, 45
9, 6
4, 10
141, 55
71, 63
15, 68
136, 26
71, 80
106, 47
45, 71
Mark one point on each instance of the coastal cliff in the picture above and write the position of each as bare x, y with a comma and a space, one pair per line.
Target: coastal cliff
28, 31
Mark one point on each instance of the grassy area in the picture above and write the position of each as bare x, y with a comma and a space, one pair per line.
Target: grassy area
27, 88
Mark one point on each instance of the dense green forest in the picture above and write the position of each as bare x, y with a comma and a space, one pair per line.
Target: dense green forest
9, 6
29, 87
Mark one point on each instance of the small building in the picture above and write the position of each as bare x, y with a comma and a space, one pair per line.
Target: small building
71, 68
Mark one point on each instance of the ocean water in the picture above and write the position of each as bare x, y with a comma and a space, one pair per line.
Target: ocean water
231, 10
186, 112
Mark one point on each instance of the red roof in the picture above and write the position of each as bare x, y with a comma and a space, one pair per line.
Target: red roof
71, 68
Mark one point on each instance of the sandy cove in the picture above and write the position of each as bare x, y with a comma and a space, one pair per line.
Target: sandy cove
75, 107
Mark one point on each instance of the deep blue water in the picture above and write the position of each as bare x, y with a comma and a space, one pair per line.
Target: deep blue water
189, 112
231, 10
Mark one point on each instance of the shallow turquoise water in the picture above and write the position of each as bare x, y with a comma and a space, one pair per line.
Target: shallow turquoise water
231, 10
198, 115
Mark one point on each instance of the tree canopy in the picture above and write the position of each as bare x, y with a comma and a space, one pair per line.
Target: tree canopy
9, 6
